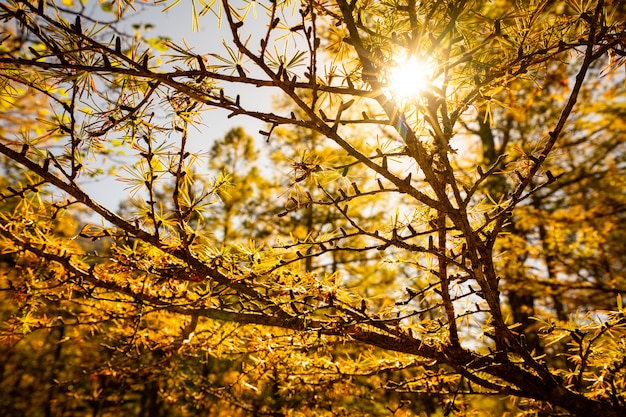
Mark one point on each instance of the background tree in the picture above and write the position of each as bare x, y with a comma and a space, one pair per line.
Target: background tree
428, 252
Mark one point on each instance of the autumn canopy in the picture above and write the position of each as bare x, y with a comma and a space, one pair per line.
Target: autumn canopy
425, 219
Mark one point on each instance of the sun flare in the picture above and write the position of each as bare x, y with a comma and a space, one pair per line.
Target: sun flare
409, 79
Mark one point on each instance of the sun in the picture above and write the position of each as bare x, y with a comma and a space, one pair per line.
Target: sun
409, 79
